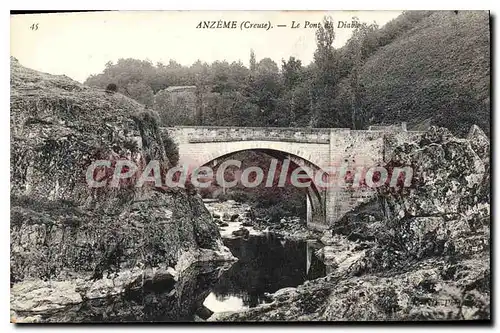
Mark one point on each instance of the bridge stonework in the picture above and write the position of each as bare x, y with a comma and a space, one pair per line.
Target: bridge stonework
315, 148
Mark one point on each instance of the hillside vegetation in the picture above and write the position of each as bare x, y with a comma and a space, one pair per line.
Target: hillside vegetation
439, 70
415, 255
423, 67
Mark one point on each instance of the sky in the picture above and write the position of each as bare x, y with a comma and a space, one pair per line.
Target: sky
80, 44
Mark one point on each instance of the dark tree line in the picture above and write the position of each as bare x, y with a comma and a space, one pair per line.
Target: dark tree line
367, 81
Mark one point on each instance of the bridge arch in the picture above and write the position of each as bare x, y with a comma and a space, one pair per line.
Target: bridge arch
308, 167
315, 196
198, 154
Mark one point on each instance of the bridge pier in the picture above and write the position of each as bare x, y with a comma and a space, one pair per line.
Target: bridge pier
316, 214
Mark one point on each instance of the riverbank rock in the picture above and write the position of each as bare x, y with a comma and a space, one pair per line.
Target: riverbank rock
66, 233
428, 291
480, 143
242, 232
60, 301
290, 227
425, 255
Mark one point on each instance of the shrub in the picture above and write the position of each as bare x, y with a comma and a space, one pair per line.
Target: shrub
111, 88
239, 196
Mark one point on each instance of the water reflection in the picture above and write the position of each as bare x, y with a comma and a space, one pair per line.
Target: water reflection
166, 301
266, 264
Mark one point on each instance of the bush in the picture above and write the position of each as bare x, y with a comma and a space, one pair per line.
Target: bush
239, 196
111, 88
274, 213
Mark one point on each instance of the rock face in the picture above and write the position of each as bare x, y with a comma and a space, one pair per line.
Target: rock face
164, 299
58, 240
422, 253
242, 232
62, 230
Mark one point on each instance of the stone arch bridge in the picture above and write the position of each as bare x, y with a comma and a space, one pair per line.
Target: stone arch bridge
310, 148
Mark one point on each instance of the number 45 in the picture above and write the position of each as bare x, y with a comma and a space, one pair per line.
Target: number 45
34, 26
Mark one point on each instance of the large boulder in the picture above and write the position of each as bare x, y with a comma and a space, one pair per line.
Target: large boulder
447, 176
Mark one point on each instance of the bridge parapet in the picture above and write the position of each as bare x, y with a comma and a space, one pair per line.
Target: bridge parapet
231, 134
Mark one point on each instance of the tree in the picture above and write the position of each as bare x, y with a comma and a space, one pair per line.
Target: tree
267, 67
292, 72
326, 75
325, 35
363, 44
292, 98
253, 63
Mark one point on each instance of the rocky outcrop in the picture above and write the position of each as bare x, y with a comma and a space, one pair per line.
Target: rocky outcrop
423, 254
94, 241
58, 241
427, 291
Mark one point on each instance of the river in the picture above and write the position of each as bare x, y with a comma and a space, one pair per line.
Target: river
266, 263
